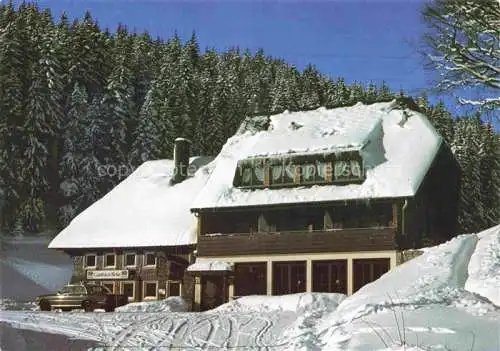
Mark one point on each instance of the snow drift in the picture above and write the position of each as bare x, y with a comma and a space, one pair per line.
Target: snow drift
170, 304
484, 266
300, 303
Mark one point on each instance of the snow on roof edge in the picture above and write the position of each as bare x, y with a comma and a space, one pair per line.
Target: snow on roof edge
389, 119
147, 187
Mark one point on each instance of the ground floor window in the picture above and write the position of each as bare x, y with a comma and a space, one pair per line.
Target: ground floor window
109, 285
250, 278
367, 270
128, 288
174, 288
329, 276
150, 290
289, 277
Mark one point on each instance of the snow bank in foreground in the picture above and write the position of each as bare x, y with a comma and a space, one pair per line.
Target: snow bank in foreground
170, 304
300, 303
432, 277
484, 266
422, 303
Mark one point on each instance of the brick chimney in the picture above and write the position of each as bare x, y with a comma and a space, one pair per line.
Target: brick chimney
181, 159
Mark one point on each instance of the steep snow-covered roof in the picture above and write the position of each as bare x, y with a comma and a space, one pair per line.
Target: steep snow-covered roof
397, 147
143, 210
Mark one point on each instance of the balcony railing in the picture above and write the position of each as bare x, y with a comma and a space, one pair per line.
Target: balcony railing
285, 242
291, 232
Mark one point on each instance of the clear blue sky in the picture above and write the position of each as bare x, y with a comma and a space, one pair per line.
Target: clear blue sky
370, 40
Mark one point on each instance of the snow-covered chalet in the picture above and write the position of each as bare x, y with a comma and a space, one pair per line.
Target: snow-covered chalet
139, 238
321, 201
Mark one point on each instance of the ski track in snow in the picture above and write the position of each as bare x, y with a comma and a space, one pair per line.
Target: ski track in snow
132, 330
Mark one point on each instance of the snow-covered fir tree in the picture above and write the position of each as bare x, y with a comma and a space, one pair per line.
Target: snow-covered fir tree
117, 105
371, 93
127, 97
206, 132
384, 93
311, 94
356, 93
146, 143
14, 78
73, 136
442, 121
467, 147
285, 92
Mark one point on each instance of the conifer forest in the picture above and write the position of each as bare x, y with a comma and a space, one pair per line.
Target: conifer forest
74, 96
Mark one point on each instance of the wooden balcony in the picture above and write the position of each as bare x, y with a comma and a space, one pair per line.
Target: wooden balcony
344, 240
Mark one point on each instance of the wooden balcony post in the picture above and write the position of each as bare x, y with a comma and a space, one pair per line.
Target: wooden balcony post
269, 290
197, 293
350, 276
263, 225
230, 287
328, 223
309, 276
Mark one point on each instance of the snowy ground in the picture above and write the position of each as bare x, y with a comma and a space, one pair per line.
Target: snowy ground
424, 304
28, 269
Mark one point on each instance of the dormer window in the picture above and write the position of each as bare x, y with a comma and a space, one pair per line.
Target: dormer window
308, 172
277, 174
347, 169
246, 178
324, 171
260, 173
296, 170
292, 173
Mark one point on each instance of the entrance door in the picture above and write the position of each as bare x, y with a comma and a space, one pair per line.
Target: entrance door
367, 270
213, 292
289, 277
330, 276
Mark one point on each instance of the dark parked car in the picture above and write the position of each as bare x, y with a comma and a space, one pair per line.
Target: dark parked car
82, 296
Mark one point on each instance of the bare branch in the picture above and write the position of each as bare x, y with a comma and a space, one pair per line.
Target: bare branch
462, 45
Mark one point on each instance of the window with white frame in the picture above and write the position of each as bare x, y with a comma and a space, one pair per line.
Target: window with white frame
90, 260
149, 259
128, 289
150, 289
129, 259
109, 260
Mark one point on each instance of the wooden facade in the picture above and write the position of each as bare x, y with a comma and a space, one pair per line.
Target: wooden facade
347, 240
154, 273
362, 225
332, 246
432, 214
